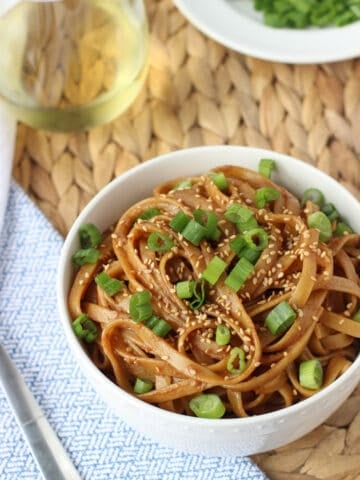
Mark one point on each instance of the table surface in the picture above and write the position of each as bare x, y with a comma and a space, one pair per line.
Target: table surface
200, 93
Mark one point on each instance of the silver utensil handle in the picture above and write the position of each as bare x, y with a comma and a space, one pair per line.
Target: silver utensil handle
47, 449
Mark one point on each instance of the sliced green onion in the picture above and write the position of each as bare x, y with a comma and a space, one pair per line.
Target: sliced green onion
311, 374
199, 295
330, 211
238, 275
236, 213
208, 220
222, 335
183, 184
111, 286
85, 328
250, 254
219, 179
321, 222
242, 216
89, 235
238, 244
207, 405
194, 232
149, 213
236, 363
151, 322
342, 228
280, 318
159, 242
161, 328
143, 386
139, 306
265, 195
179, 222
214, 270
85, 256
185, 289
257, 239
356, 316
313, 195
266, 166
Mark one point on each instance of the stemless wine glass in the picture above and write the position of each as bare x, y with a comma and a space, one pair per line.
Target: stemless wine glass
72, 64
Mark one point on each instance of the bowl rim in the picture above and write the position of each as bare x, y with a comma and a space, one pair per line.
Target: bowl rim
89, 366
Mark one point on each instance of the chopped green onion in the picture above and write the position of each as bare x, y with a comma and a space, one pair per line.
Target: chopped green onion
265, 195
342, 228
149, 213
214, 270
179, 222
301, 14
151, 322
207, 405
111, 286
250, 254
238, 275
321, 222
219, 179
236, 363
159, 242
89, 235
266, 166
199, 294
194, 232
208, 220
257, 239
356, 316
161, 328
139, 306
280, 318
238, 244
236, 213
85, 328
185, 289
143, 386
330, 211
85, 256
313, 195
183, 184
222, 335
311, 374
242, 216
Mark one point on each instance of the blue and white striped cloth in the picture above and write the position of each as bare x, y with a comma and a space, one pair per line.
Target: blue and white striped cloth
99, 443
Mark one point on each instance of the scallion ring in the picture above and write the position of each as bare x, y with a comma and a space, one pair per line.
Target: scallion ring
311, 374
280, 318
236, 363
85, 256
142, 386
321, 222
159, 242
265, 195
207, 405
85, 328
89, 235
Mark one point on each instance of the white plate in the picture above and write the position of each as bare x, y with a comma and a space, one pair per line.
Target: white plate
237, 25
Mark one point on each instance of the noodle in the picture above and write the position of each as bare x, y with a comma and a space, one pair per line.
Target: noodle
319, 280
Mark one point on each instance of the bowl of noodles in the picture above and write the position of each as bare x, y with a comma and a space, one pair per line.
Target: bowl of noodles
212, 298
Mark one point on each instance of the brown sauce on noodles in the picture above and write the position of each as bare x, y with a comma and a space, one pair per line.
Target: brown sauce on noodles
319, 280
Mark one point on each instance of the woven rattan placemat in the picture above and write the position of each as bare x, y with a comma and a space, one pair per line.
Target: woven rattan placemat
200, 93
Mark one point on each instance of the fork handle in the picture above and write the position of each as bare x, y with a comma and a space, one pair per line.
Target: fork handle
46, 447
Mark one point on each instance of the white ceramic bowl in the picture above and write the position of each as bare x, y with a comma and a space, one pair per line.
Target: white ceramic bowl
240, 436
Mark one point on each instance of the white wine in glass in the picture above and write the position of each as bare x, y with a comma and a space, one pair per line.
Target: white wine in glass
72, 64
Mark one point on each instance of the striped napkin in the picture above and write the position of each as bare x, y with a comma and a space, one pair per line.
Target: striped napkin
100, 444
